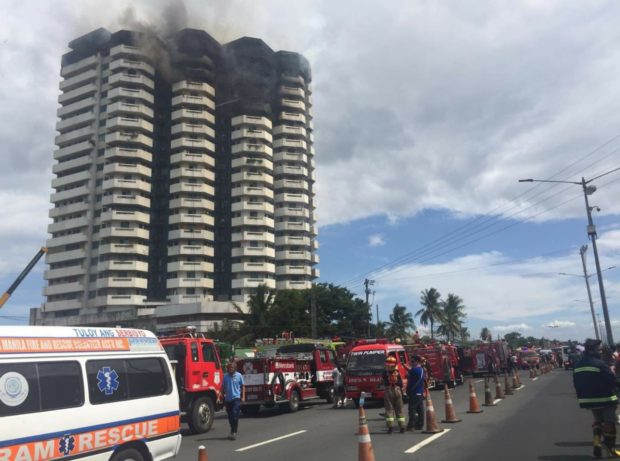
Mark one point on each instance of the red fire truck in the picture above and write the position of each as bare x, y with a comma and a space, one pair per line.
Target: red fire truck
443, 361
297, 373
199, 376
490, 357
365, 366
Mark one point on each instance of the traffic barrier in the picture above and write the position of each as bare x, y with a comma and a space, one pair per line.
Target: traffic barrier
507, 387
499, 392
364, 445
450, 411
202, 453
474, 406
488, 397
431, 421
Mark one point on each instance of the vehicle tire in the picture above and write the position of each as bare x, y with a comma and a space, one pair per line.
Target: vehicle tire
293, 403
129, 454
250, 410
201, 415
331, 395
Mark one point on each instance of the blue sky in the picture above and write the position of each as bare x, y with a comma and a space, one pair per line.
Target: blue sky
426, 115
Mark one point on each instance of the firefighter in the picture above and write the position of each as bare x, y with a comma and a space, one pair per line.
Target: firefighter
595, 386
393, 398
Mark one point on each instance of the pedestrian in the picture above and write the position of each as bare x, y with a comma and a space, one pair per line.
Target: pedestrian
416, 390
338, 377
233, 393
595, 386
393, 395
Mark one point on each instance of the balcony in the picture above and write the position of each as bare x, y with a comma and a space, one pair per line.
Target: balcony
77, 121
190, 266
192, 159
64, 256
290, 144
250, 191
297, 184
290, 170
129, 124
292, 91
136, 110
70, 271
292, 117
84, 147
253, 236
67, 224
124, 266
76, 94
294, 79
78, 177
192, 143
252, 176
253, 252
72, 208
292, 212
62, 288
254, 267
127, 168
294, 255
249, 133
130, 93
195, 219
70, 194
120, 300
126, 184
251, 120
193, 188
126, 199
293, 285
133, 80
122, 63
124, 233
292, 198
125, 50
293, 240
253, 163
245, 205
293, 270
190, 250
132, 138
132, 216
121, 282
127, 153
80, 66
252, 148
78, 106
290, 157
192, 100
184, 282
262, 221
293, 104
289, 130
64, 240
198, 173
187, 202
124, 248
197, 87
191, 234
193, 116
292, 226
193, 129
252, 283
75, 136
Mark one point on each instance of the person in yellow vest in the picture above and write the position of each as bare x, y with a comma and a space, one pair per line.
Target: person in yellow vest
393, 396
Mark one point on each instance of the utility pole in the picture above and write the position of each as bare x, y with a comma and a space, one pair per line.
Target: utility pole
367, 284
582, 252
313, 331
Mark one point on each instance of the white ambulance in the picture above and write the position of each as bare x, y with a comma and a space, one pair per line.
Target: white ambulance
88, 393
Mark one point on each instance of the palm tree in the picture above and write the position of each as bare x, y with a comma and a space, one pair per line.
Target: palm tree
452, 316
401, 322
485, 334
432, 310
255, 321
464, 334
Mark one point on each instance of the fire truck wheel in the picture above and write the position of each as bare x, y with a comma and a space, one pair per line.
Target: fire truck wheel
201, 417
130, 454
250, 410
293, 403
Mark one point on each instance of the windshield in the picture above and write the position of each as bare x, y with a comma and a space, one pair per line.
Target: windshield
366, 363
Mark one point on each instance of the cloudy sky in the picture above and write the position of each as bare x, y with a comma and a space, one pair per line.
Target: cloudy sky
426, 114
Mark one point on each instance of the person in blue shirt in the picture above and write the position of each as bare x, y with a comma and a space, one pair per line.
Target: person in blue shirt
233, 393
416, 392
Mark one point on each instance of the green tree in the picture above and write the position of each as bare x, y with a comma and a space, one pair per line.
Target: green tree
453, 314
401, 322
515, 339
464, 333
431, 311
485, 334
256, 320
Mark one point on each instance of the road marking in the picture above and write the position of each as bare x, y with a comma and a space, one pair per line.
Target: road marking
479, 381
425, 442
292, 434
495, 402
534, 379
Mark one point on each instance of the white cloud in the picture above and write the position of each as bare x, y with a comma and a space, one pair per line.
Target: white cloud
509, 328
560, 324
376, 240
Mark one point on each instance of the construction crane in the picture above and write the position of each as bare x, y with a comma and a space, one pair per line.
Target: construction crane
7, 294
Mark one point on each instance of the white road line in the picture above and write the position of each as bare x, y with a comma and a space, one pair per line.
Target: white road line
425, 442
292, 434
479, 381
534, 379
495, 402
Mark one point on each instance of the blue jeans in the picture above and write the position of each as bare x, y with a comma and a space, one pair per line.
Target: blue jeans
233, 409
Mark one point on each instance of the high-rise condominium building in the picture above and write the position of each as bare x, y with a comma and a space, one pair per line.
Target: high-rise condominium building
184, 173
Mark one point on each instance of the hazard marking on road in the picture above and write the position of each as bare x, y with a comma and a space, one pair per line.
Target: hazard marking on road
292, 434
496, 401
425, 442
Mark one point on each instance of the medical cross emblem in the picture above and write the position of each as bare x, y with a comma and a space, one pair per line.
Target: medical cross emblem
66, 444
107, 380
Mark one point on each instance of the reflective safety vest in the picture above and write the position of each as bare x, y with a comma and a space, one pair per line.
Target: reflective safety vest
594, 383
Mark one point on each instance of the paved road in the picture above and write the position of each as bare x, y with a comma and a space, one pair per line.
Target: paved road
540, 422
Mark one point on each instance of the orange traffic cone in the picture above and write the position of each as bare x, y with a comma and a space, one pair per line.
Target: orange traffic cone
517, 374
507, 387
431, 422
202, 453
488, 397
499, 392
515, 384
474, 406
450, 411
532, 375
364, 445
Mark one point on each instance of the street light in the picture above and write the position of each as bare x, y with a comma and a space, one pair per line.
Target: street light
589, 190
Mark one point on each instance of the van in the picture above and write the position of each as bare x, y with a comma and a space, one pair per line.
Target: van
104, 394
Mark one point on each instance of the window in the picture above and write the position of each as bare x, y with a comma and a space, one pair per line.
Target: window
402, 358
42, 386
208, 354
194, 352
125, 379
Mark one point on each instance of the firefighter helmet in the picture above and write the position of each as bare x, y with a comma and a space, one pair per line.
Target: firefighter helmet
390, 362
